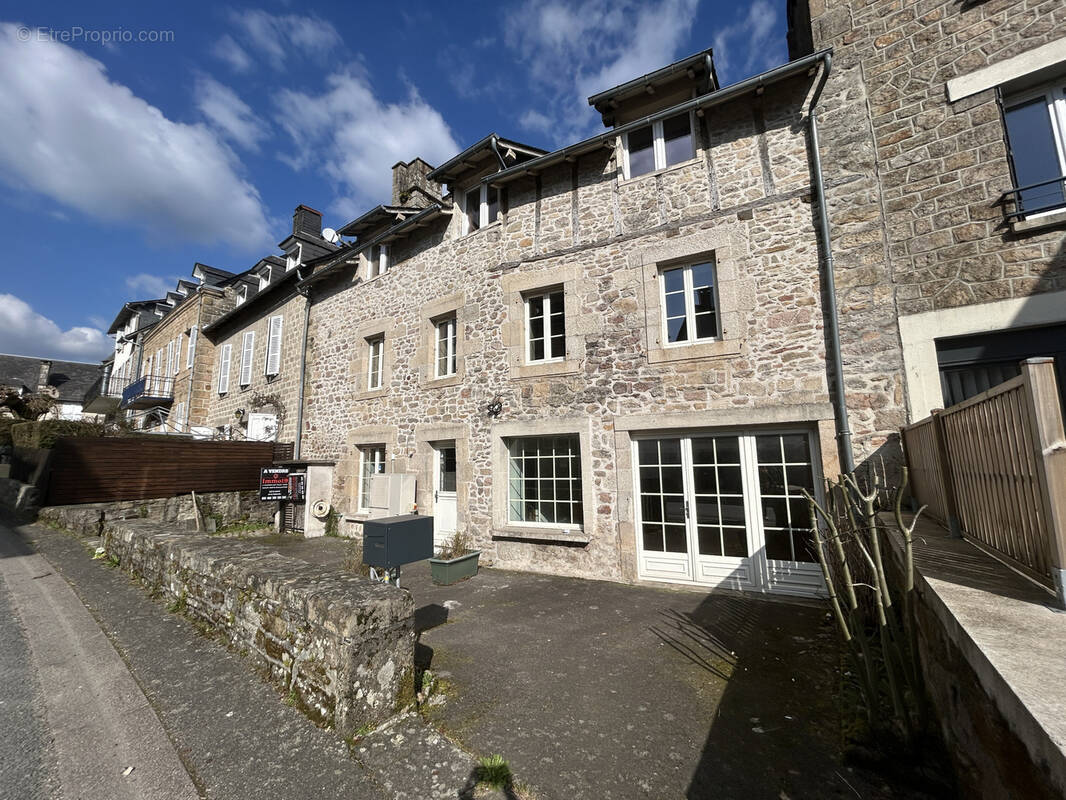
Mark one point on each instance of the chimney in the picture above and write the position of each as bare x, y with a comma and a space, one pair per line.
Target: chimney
307, 221
42, 375
411, 187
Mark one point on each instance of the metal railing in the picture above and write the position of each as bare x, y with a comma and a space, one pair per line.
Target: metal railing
993, 469
148, 388
1025, 201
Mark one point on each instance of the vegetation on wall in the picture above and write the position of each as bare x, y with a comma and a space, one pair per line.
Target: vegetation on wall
45, 433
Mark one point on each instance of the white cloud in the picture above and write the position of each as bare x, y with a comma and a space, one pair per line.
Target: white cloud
229, 114
226, 49
24, 332
361, 136
150, 287
749, 45
533, 120
276, 36
575, 48
71, 134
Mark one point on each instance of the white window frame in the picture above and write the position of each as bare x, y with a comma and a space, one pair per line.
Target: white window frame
575, 499
273, 358
242, 295
658, 147
372, 456
224, 358
548, 332
190, 352
446, 332
690, 305
375, 369
247, 357
264, 278
483, 220
1054, 94
378, 265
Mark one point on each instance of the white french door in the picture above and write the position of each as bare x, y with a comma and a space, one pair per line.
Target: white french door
727, 510
445, 496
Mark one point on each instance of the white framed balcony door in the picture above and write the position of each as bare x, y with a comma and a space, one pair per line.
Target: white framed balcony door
727, 510
445, 495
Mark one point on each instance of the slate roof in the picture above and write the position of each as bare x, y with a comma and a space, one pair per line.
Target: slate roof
72, 378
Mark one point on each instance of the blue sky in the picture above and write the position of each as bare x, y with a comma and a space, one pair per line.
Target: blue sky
123, 162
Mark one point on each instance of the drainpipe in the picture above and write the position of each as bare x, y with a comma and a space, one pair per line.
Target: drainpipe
192, 369
847, 460
494, 143
305, 293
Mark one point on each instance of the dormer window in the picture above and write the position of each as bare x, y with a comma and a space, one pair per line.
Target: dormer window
291, 262
658, 146
377, 258
264, 278
242, 295
481, 207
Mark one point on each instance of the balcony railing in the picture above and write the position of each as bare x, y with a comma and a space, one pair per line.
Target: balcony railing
149, 390
1036, 198
104, 395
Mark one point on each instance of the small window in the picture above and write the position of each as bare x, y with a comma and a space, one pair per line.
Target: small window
545, 327
375, 362
544, 480
446, 341
1036, 133
242, 295
658, 146
223, 368
481, 207
247, 354
264, 279
371, 462
291, 262
689, 303
377, 260
273, 359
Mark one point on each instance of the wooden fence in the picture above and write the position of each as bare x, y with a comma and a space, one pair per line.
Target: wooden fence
90, 470
993, 468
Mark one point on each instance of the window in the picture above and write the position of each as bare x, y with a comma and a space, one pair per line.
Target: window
223, 368
689, 304
658, 146
247, 353
545, 327
273, 359
1036, 133
481, 207
191, 350
290, 262
544, 480
375, 359
242, 295
446, 340
377, 260
179, 417
371, 462
264, 279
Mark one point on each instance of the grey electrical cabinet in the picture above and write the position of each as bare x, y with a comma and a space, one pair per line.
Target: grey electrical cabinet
393, 541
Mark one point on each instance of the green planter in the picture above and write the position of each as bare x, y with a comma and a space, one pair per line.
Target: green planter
453, 570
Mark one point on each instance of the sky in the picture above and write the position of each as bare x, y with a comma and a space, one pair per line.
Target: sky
140, 138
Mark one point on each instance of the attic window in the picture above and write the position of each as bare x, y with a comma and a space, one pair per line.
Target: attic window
264, 278
242, 295
377, 259
481, 207
291, 262
658, 146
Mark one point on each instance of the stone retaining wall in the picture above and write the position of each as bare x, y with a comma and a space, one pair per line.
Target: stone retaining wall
18, 500
340, 646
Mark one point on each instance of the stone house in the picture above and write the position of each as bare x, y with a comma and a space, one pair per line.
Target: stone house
607, 361
67, 381
944, 143
132, 323
253, 380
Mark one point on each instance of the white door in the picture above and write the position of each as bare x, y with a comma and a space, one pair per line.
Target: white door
444, 493
727, 510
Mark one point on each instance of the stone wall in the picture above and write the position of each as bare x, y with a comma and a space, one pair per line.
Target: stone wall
744, 199
18, 500
223, 508
340, 646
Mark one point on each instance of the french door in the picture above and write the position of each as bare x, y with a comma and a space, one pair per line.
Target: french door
728, 510
445, 496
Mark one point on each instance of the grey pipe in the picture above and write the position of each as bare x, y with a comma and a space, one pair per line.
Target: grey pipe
494, 142
303, 370
840, 408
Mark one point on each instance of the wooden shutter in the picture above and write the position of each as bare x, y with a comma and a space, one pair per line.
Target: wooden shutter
170, 358
192, 346
247, 351
273, 365
177, 354
223, 368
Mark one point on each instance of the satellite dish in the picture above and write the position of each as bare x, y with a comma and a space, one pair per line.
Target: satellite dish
330, 235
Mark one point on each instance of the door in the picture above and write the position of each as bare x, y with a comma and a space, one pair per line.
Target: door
444, 493
727, 510
262, 427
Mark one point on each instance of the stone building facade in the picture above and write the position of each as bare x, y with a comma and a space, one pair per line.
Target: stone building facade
943, 278
577, 257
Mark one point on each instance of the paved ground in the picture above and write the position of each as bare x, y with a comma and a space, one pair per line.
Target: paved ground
601, 690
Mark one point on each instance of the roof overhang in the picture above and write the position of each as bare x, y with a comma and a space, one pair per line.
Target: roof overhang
375, 218
481, 155
696, 67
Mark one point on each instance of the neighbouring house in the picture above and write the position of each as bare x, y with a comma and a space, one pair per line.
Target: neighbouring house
609, 360
259, 342
944, 144
123, 366
69, 380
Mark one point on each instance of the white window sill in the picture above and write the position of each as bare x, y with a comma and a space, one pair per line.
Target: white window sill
664, 170
535, 533
482, 229
1038, 222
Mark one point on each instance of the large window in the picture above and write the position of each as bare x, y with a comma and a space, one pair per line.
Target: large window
1036, 132
658, 146
545, 327
544, 480
689, 303
371, 462
375, 362
446, 341
481, 207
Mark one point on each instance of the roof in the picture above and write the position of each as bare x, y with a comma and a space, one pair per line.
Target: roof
212, 276
253, 294
316, 244
751, 85
131, 308
479, 155
72, 378
376, 217
696, 65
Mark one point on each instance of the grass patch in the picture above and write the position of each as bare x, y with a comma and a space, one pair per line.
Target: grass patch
493, 771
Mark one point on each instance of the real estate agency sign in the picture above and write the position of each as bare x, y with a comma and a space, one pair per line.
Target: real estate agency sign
274, 484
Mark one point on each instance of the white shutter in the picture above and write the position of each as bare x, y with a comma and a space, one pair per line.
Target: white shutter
192, 346
170, 358
177, 354
247, 351
179, 418
273, 365
223, 369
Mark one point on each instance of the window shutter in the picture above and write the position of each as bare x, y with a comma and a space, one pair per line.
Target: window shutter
192, 346
170, 358
273, 365
223, 368
247, 351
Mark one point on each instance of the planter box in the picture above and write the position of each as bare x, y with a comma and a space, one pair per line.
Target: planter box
454, 570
